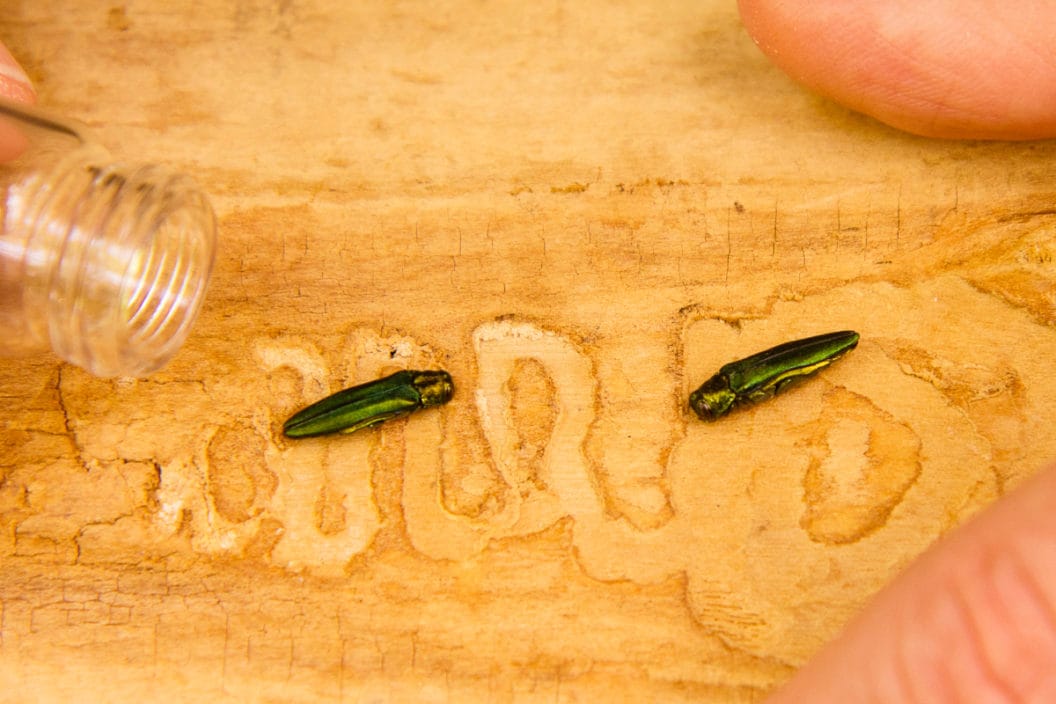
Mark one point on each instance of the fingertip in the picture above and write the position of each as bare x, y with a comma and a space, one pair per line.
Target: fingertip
942, 68
972, 620
14, 83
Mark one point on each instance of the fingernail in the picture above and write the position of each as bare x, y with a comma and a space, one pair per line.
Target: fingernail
14, 83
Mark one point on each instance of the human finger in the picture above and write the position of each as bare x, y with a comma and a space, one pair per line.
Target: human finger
974, 620
14, 83
981, 69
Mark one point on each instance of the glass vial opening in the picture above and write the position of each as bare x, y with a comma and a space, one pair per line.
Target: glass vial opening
109, 263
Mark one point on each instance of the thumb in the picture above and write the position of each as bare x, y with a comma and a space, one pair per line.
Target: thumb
942, 68
973, 620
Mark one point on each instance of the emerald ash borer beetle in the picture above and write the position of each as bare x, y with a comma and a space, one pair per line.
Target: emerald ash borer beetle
766, 373
371, 403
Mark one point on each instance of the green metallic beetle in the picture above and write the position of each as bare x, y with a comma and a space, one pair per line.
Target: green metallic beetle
766, 373
371, 403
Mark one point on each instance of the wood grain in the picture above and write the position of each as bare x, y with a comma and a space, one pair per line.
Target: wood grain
580, 211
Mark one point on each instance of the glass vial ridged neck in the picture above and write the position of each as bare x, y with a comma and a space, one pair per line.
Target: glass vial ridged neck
104, 264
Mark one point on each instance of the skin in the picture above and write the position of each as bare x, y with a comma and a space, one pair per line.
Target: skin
974, 619
14, 85
966, 69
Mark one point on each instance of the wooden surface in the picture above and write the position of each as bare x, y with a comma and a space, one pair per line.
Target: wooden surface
580, 211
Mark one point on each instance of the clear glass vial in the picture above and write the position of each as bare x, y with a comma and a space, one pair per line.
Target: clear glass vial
103, 264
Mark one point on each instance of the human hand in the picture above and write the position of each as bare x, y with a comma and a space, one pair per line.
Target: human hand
975, 69
14, 85
973, 620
